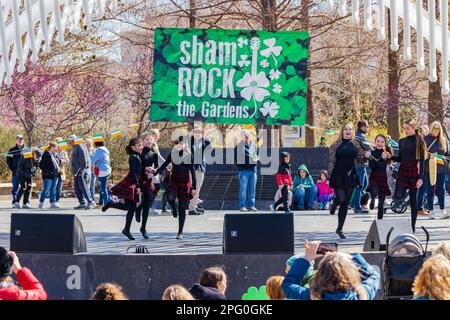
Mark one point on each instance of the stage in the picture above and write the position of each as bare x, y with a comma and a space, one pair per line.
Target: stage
203, 234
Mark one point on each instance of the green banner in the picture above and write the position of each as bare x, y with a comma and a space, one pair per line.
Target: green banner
230, 76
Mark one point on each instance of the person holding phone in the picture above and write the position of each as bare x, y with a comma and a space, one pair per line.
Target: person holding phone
129, 188
30, 287
339, 276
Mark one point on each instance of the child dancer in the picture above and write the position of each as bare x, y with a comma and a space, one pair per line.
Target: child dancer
378, 179
284, 181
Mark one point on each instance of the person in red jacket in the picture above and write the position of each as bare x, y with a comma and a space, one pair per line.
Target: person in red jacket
32, 289
284, 181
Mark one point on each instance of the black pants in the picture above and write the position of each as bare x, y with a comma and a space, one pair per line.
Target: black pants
149, 197
342, 199
128, 206
284, 198
400, 192
374, 194
24, 190
181, 209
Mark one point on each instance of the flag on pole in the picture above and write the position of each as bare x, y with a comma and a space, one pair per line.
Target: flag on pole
62, 145
116, 133
27, 154
329, 131
97, 138
44, 148
78, 140
7, 155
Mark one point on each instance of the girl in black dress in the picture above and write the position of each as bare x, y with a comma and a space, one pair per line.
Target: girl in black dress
129, 188
378, 180
411, 155
342, 156
182, 182
149, 158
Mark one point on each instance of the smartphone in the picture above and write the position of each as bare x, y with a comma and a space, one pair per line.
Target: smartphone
325, 247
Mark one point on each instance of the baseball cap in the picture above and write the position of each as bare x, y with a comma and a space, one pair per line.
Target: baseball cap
19, 136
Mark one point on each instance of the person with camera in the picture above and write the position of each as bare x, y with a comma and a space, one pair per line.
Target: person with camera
30, 287
339, 276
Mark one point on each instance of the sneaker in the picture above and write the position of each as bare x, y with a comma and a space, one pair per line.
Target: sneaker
243, 209
81, 206
54, 205
194, 212
199, 209
423, 212
431, 215
272, 208
164, 211
152, 211
327, 206
17, 205
41, 205
253, 209
90, 206
26, 206
443, 214
180, 236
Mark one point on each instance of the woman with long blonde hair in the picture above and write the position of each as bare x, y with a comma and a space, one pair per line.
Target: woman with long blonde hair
436, 145
341, 165
432, 282
339, 276
411, 156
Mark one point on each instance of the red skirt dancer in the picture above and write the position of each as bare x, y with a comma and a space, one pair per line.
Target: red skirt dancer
181, 185
408, 174
378, 184
126, 189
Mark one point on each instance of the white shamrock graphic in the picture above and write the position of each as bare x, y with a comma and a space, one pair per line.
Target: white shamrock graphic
276, 88
242, 42
270, 109
271, 50
274, 74
253, 86
264, 63
243, 61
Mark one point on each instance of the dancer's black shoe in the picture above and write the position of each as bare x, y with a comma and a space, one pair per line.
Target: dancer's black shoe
128, 234
144, 233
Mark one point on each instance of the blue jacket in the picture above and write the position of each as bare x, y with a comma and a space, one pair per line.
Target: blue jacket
101, 160
293, 290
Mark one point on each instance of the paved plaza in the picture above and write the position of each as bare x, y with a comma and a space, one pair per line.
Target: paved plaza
203, 234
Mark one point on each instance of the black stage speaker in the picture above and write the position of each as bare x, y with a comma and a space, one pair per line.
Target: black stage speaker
47, 233
376, 239
258, 233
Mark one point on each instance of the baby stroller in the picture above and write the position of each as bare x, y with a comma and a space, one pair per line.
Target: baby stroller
400, 205
403, 259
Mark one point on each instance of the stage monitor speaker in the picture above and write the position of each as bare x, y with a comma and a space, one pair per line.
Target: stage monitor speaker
376, 239
46, 233
258, 233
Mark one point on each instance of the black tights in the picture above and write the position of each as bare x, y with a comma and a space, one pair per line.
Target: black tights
25, 190
342, 199
180, 209
284, 198
400, 192
149, 197
381, 199
131, 207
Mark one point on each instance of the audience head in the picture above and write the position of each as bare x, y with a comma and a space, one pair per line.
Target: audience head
19, 140
336, 273
432, 282
214, 277
273, 288
245, 134
155, 134
99, 144
444, 249
109, 291
363, 126
6, 263
177, 292
134, 145
52, 147
89, 143
323, 175
285, 157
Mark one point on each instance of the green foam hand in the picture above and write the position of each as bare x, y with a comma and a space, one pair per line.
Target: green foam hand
254, 294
